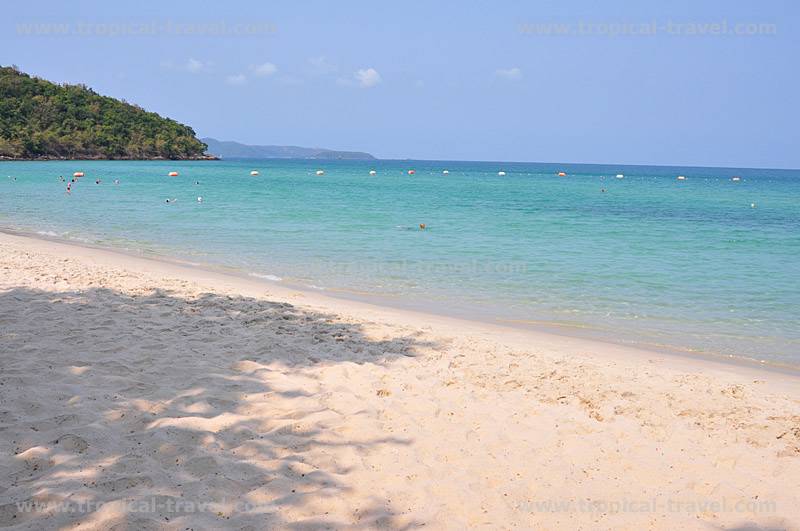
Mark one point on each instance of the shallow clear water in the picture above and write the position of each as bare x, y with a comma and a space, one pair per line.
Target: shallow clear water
705, 264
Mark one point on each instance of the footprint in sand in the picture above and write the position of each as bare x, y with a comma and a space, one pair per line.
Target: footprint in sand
125, 483
201, 467
54, 422
72, 443
114, 367
35, 461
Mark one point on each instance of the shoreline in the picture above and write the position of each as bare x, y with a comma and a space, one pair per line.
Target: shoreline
376, 301
128, 382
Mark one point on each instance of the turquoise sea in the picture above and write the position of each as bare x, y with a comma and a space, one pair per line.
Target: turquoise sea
705, 264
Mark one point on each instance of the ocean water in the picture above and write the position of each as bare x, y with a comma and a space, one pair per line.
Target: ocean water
704, 265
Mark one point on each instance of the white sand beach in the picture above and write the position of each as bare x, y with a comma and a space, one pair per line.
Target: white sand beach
141, 394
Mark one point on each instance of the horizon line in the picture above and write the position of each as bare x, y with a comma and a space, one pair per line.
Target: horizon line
710, 166
378, 159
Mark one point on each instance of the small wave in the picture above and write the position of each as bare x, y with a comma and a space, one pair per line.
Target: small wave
266, 277
81, 239
66, 236
312, 286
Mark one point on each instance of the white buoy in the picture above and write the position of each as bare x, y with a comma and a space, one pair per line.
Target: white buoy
445, 172
373, 172
752, 205
620, 176
501, 173
254, 173
320, 172
199, 199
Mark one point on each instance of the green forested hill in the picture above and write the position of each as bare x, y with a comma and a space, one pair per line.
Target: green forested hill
40, 119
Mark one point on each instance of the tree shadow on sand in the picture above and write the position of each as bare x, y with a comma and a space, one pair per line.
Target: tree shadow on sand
159, 410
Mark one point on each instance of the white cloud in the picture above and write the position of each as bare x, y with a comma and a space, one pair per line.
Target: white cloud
367, 77
193, 65
264, 69
238, 79
322, 66
508, 73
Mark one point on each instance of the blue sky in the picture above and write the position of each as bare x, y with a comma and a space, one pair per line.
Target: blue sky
444, 80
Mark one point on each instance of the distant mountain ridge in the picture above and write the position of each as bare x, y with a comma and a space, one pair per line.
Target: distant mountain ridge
228, 149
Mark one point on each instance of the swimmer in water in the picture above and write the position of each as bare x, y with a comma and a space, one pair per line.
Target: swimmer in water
422, 226
171, 200
98, 181
116, 181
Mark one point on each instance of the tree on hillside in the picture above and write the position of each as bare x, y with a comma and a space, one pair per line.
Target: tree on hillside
42, 119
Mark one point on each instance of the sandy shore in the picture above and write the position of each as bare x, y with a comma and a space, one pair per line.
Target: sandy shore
137, 394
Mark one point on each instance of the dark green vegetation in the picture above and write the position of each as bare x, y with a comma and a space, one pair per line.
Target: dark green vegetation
41, 120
